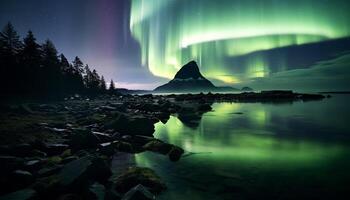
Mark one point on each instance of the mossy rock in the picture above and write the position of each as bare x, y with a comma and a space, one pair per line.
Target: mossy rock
139, 175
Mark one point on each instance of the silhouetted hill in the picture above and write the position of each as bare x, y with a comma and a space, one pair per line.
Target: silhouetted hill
190, 79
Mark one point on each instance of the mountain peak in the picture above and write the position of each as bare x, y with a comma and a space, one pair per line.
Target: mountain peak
189, 71
190, 79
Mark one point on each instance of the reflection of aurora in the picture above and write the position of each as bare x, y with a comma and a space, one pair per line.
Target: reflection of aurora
172, 32
254, 144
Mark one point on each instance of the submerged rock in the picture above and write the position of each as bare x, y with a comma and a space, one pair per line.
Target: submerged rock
139, 175
175, 153
158, 146
138, 192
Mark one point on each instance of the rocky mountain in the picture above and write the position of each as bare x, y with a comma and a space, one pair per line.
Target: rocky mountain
190, 79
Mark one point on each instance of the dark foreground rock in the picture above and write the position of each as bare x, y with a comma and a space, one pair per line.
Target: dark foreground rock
139, 192
20, 195
138, 175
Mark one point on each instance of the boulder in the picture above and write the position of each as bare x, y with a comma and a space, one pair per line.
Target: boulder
158, 146
103, 137
98, 191
55, 149
22, 150
33, 165
84, 139
135, 125
78, 173
123, 146
139, 175
15, 180
48, 171
69, 159
138, 192
107, 149
10, 163
175, 153
19, 195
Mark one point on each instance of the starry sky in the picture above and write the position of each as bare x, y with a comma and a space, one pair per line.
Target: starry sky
264, 44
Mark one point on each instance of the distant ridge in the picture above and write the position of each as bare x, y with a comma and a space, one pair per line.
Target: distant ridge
190, 79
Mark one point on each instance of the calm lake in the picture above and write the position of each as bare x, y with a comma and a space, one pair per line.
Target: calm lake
258, 151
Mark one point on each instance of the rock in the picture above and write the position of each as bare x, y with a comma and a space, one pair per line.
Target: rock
108, 108
39, 153
33, 165
10, 163
69, 159
55, 149
111, 194
123, 146
66, 153
78, 173
19, 195
22, 150
158, 146
84, 139
69, 197
19, 179
107, 149
75, 173
103, 137
138, 175
135, 125
48, 171
98, 191
175, 153
141, 140
4, 150
54, 160
138, 192
99, 170
204, 108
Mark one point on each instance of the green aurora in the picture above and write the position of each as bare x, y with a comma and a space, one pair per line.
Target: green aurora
172, 32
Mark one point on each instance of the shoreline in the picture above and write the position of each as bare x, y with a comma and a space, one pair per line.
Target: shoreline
42, 143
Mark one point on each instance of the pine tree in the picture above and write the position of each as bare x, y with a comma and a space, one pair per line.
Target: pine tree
87, 77
103, 86
30, 62
78, 65
9, 41
10, 46
64, 65
51, 72
111, 86
95, 82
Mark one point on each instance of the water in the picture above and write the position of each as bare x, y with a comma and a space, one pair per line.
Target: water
258, 151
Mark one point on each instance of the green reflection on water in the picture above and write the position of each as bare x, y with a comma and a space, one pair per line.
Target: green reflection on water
265, 146
221, 135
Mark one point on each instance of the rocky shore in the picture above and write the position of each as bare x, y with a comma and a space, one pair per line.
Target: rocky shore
63, 150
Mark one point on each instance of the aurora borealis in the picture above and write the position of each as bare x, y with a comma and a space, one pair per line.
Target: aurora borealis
229, 39
263, 44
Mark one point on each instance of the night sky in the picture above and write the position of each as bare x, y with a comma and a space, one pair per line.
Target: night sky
265, 44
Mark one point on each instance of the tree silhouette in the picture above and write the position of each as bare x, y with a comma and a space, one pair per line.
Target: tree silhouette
30, 59
9, 41
103, 86
31, 69
111, 86
10, 46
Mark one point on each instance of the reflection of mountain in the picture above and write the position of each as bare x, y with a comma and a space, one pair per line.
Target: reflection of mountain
191, 115
190, 79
